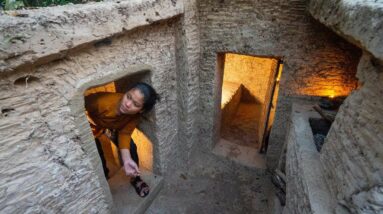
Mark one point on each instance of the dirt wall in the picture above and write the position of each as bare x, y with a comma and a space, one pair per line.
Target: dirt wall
275, 29
49, 160
257, 76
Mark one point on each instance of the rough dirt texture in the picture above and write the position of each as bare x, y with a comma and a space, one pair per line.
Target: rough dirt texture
350, 162
257, 76
188, 81
314, 58
307, 190
352, 153
47, 164
353, 150
361, 22
214, 184
242, 128
50, 33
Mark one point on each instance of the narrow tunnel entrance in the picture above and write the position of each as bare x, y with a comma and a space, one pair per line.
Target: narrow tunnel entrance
249, 97
123, 195
109, 148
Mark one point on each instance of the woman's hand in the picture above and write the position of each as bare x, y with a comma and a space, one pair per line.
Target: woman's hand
130, 167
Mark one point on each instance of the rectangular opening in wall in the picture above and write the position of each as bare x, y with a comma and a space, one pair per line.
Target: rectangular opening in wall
107, 137
249, 98
102, 103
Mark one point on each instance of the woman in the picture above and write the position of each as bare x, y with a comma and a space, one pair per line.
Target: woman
120, 113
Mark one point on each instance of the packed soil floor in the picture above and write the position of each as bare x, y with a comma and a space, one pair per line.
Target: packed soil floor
214, 184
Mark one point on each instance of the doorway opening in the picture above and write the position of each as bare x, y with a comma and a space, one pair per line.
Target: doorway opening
109, 148
118, 190
250, 88
123, 196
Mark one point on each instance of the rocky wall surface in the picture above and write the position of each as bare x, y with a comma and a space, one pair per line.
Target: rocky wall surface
33, 37
233, 93
306, 188
268, 28
361, 22
46, 164
297, 199
253, 72
353, 151
257, 76
188, 53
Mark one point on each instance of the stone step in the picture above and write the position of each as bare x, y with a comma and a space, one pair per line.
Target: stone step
243, 155
125, 198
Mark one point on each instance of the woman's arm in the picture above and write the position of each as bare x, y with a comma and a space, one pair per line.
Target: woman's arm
130, 167
124, 138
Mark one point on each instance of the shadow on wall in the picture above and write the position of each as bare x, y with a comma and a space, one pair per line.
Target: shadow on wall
248, 97
248, 88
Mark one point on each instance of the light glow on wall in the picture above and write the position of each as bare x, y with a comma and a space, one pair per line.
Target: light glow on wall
109, 87
330, 92
331, 84
252, 78
144, 149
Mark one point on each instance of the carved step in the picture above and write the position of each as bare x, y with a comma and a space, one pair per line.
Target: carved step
125, 198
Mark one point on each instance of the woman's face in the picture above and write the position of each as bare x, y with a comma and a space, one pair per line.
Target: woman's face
132, 102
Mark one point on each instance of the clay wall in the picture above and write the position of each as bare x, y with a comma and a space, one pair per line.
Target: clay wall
49, 160
277, 29
257, 76
352, 154
353, 151
50, 56
346, 176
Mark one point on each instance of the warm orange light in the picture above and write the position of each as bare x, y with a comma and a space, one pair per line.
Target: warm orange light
229, 90
330, 93
335, 84
256, 75
144, 149
225, 97
279, 72
109, 87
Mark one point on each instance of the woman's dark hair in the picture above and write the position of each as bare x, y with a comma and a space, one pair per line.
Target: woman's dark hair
150, 95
